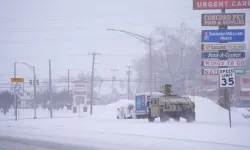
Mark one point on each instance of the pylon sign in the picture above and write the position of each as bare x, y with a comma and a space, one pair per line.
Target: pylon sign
17, 85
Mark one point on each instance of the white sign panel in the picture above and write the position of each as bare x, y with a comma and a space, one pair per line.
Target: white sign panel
217, 63
227, 77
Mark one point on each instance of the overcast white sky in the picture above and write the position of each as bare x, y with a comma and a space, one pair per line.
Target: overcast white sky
65, 31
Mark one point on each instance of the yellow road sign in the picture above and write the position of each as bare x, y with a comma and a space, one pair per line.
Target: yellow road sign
17, 79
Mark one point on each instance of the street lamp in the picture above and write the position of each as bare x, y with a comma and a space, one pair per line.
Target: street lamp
34, 84
147, 41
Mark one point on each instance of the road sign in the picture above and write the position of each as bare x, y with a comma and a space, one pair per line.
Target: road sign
17, 85
227, 77
239, 71
223, 63
223, 46
220, 4
218, 19
233, 35
223, 55
17, 79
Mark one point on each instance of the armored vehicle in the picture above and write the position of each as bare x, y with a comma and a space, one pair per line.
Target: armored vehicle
170, 106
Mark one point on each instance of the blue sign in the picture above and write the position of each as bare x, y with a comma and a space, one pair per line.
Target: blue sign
141, 105
223, 55
223, 36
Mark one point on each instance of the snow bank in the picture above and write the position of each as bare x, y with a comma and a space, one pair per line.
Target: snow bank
209, 111
110, 111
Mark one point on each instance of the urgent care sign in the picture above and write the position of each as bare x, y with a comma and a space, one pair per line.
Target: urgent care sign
220, 4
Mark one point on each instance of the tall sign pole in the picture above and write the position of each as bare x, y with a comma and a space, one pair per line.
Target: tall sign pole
222, 37
225, 89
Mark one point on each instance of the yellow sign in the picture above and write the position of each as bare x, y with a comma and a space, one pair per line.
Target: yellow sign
17, 79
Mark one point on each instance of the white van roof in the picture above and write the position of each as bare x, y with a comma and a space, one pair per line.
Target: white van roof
148, 93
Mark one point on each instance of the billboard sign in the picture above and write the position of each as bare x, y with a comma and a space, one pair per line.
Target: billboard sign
233, 35
223, 46
220, 4
223, 55
223, 63
218, 19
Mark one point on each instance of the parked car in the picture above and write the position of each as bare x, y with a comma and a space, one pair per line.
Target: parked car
126, 112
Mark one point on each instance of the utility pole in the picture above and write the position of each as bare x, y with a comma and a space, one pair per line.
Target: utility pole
68, 81
15, 97
113, 78
92, 81
183, 42
140, 78
34, 84
50, 91
150, 68
155, 74
128, 73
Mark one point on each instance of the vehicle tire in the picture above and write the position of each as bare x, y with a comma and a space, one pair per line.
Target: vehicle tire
125, 117
190, 117
177, 118
164, 117
117, 117
150, 118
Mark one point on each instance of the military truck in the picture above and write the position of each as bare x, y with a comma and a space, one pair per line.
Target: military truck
170, 106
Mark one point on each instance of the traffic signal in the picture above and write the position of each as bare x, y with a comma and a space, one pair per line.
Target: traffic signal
37, 82
30, 81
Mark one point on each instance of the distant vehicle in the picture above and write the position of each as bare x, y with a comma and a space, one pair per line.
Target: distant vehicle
141, 100
242, 103
126, 112
170, 106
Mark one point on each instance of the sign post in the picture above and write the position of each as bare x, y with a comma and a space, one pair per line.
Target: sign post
16, 88
227, 79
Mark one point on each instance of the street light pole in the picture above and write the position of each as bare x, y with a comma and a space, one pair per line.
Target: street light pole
34, 84
147, 41
15, 98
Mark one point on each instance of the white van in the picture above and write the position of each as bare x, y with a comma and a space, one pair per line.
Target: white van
126, 112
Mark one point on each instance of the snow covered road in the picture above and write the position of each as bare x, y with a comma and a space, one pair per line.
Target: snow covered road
10, 143
104, 131
130, 134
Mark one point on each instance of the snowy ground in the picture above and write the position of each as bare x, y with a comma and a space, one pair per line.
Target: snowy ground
103, 130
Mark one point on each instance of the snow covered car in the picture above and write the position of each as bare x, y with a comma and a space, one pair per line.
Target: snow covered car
126, 112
